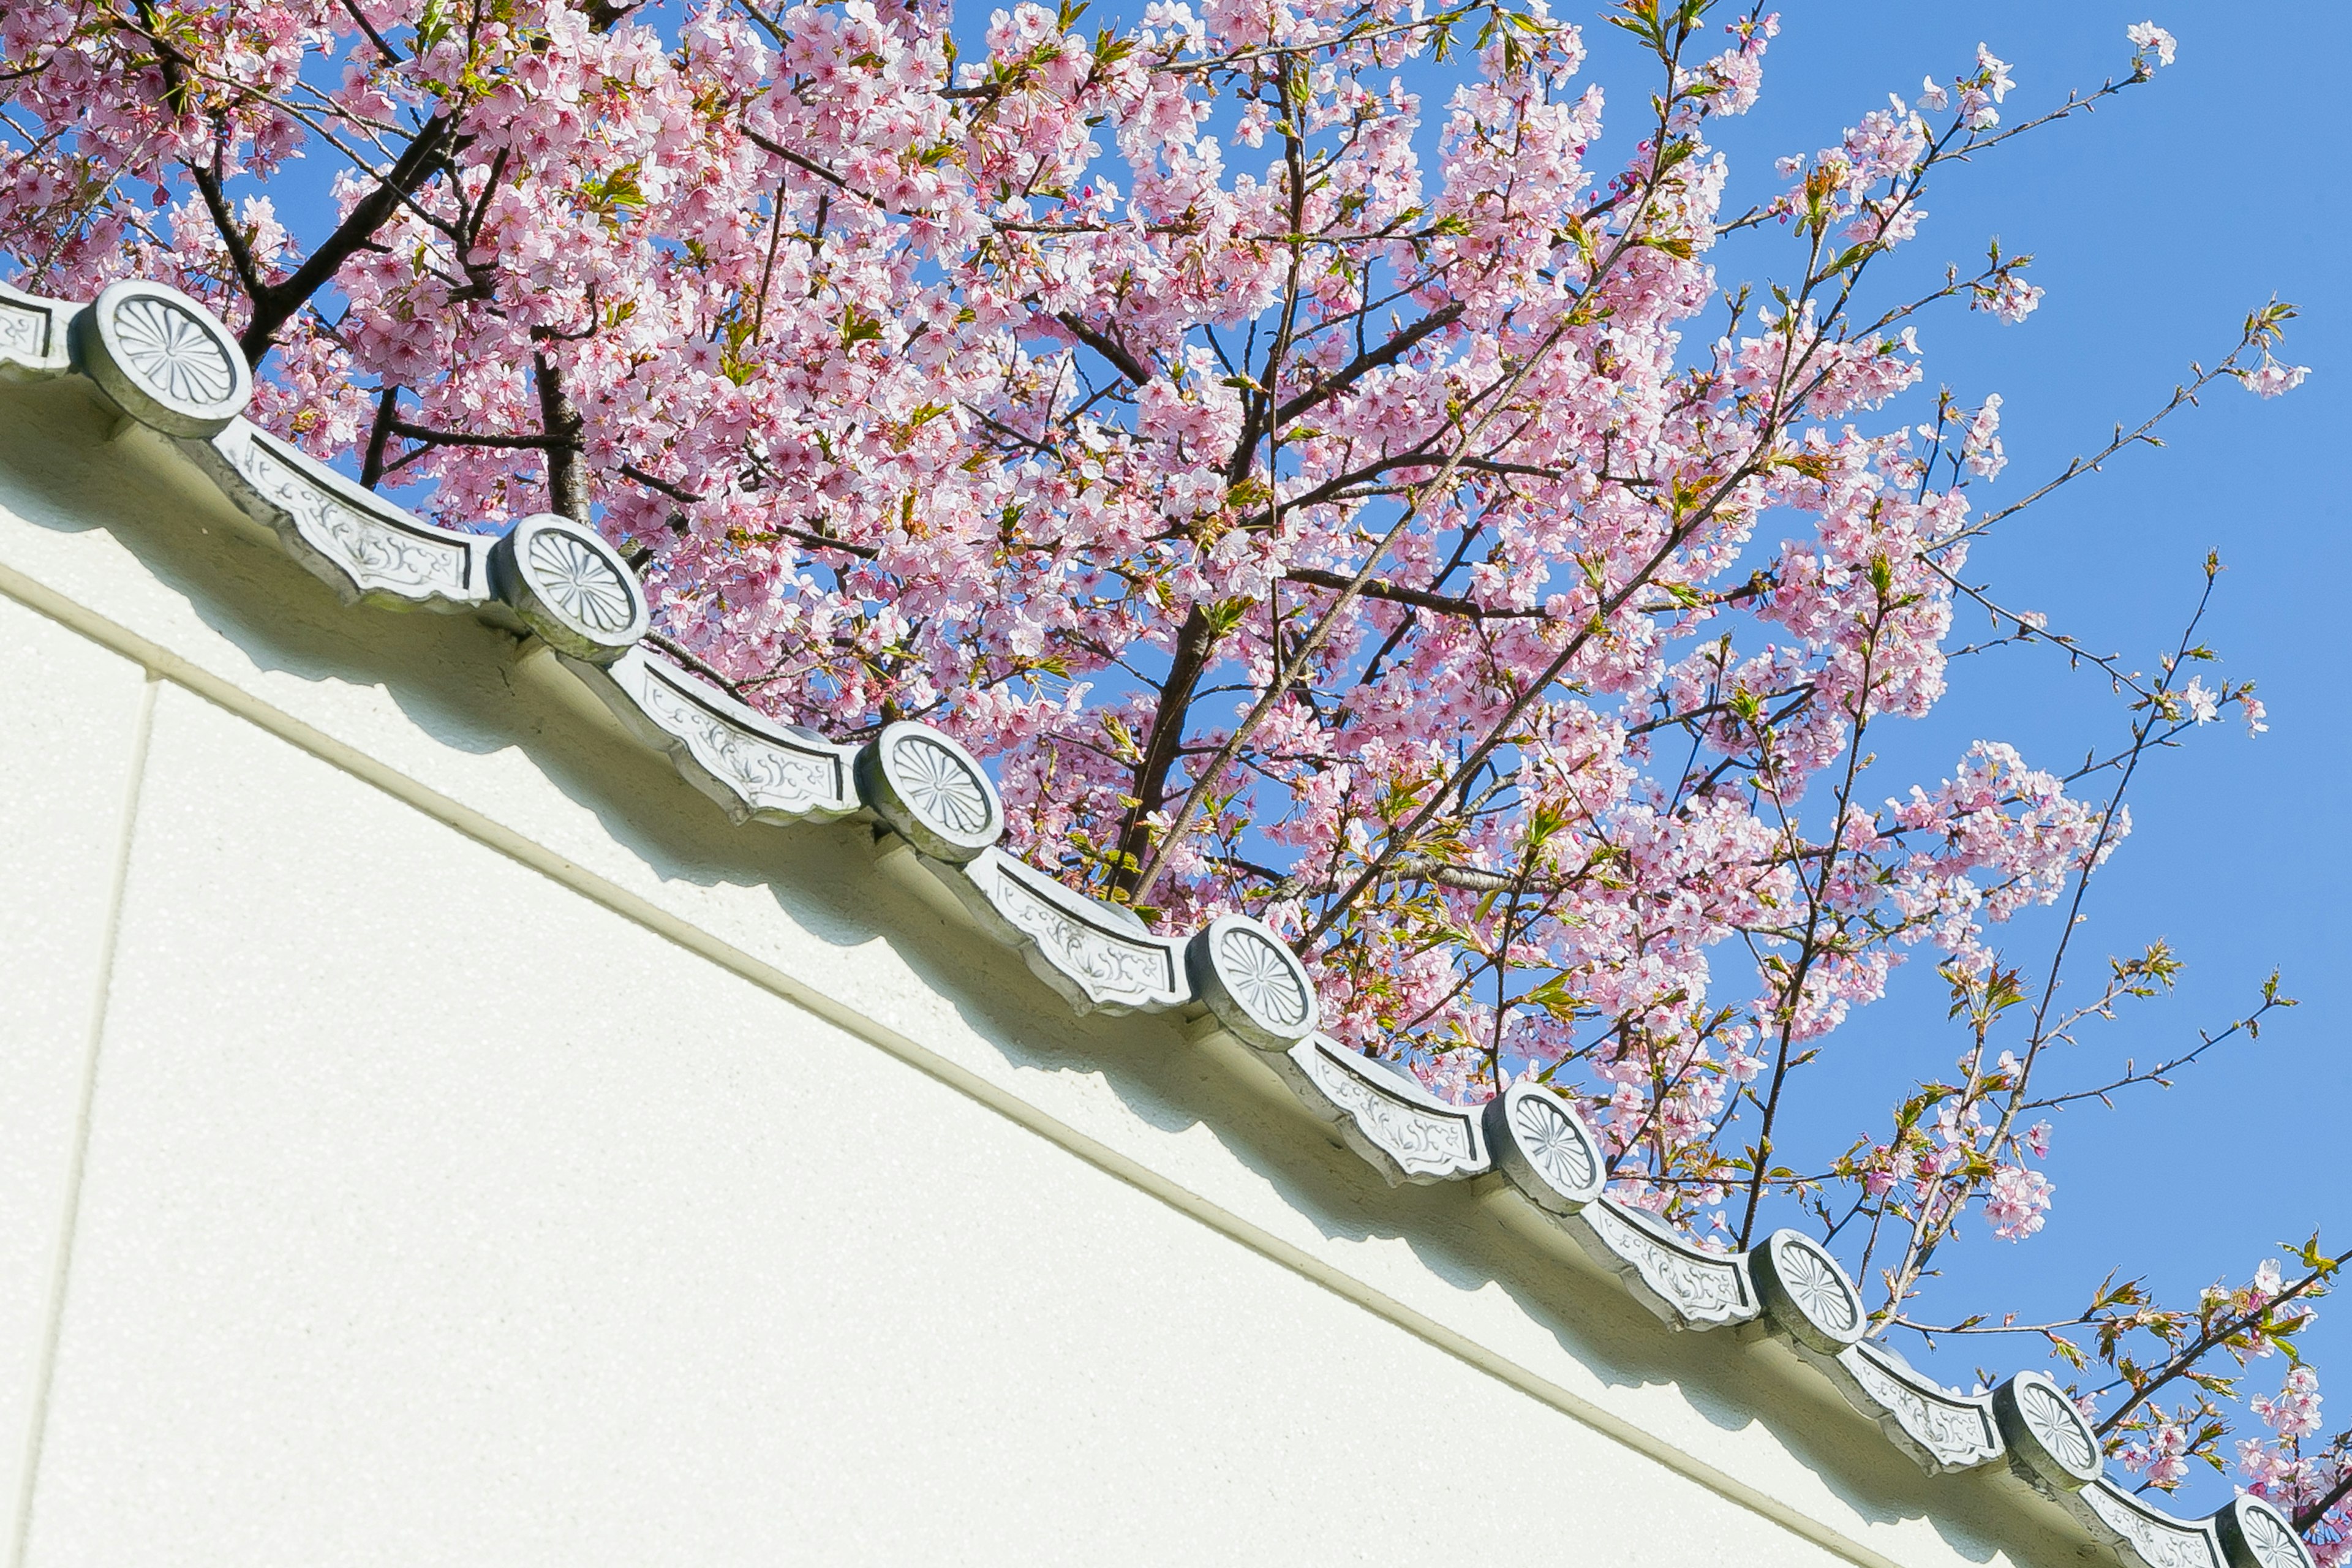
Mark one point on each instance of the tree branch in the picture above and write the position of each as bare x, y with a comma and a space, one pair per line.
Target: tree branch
567, 486
1134, 369
403, 429
387, 405
2311, 1513
1443, 604
274, 306
1388, 354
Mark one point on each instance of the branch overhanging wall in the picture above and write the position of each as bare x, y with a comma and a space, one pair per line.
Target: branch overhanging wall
164, 361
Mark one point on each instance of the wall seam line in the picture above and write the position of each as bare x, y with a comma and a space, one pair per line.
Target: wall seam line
204, 684
70, 1219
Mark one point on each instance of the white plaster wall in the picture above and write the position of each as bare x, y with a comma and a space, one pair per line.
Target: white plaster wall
490, 1155
434, 1215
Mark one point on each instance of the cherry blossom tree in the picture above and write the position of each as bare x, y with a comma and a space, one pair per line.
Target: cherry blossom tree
1323, 483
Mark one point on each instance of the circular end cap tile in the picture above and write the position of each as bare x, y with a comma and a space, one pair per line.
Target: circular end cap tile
1253, 983
1545, 1148
570, 586
2254, 1534
2047, 1434
164, 359
931, 791
1806, 1292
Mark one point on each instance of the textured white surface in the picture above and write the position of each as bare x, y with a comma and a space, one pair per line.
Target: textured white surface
422, 1226
70, 717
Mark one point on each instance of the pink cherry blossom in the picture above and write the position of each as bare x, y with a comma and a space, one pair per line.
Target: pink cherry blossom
2017, 1202
2270, 379
2294, 1411
2163, 1458
2146, 37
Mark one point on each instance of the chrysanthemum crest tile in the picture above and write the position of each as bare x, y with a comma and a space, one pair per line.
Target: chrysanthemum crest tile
1253, 983
571, 587
1682, 1282
1539, 1141
2049, 1442
1100, 958
2254, 1533
932, 791
163, 359
1407, 1134
357, 542
756, 769
1806, 1293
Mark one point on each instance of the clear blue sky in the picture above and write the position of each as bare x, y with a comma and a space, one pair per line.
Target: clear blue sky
2156, 225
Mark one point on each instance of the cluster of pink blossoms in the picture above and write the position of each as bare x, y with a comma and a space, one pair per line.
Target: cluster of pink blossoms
1316, 502
2294, 1468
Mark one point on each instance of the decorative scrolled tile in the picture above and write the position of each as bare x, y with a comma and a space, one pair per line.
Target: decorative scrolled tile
1099, 956
163, 359
1253, 983
34, 333
571, 587
931, 791
1942, 1429
2146, 1531
1805, 1293
1407, 1134
2254, 1534
755, 768
1682, 1283
2050, 1443
362, 545
1544, 1147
